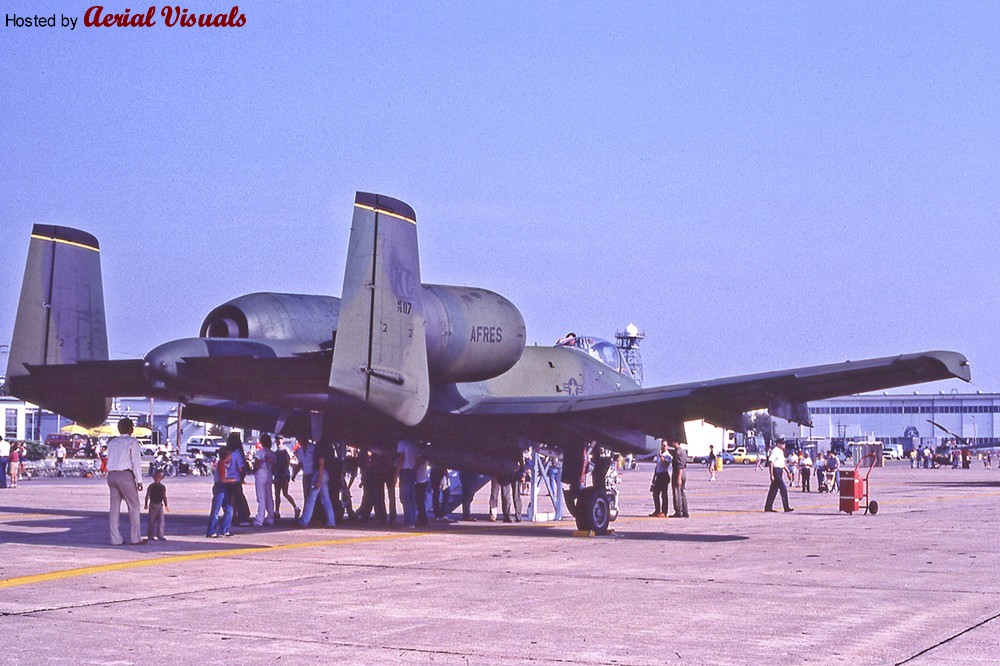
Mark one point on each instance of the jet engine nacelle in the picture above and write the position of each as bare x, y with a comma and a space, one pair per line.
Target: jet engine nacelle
472, 334
272, 316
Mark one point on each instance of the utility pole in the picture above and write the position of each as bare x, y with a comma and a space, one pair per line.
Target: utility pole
3, 378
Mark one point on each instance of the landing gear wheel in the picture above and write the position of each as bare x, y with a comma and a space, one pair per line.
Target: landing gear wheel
593, 511
873, 507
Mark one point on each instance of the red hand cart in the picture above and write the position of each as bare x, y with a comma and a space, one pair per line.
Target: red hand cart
854, 488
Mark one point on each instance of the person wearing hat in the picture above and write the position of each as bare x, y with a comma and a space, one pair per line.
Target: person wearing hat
776, 468
125, 482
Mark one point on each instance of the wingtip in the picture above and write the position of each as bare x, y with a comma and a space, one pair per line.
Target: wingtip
955, 364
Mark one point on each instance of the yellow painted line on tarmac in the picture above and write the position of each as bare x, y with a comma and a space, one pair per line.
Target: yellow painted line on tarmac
5, 517
191, 557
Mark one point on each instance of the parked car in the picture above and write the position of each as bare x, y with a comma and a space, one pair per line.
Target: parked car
146, 446
74, 443
744, 457
727, 458
207, 444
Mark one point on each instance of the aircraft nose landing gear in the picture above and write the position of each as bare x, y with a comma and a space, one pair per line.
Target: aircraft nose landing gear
594, 507
593, 510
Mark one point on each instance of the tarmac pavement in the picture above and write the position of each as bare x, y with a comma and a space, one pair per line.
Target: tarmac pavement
917, 583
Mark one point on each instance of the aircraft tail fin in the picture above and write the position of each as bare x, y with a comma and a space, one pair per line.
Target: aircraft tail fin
380, 353
60, 320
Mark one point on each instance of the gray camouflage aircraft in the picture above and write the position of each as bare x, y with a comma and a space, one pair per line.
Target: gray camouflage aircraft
394, 358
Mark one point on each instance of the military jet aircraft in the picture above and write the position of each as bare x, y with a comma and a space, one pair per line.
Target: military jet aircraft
395, 358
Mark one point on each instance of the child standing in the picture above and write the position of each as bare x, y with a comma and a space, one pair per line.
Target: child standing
156, 502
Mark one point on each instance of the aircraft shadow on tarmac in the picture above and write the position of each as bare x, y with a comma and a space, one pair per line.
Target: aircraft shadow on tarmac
565, 530
89, 529
689, 538
957, 484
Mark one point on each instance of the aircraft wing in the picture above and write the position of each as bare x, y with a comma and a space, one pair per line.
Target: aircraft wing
657, 411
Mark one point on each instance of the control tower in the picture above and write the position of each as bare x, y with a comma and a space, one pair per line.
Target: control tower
628, 343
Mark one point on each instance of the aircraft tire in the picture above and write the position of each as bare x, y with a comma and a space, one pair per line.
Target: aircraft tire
593, 511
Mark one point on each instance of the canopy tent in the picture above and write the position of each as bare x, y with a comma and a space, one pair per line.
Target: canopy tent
74, 429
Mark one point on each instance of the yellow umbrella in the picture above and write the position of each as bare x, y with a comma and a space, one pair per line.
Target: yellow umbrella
104, 431
74, 429
140, 431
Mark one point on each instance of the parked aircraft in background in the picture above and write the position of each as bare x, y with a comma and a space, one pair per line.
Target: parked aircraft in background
395, 358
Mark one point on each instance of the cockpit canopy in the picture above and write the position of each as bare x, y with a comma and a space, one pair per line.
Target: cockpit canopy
604, 351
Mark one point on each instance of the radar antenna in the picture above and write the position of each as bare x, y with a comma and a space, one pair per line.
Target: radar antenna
628, 343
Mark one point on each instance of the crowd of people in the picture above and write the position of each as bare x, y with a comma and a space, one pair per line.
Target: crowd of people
948, 454
329, 473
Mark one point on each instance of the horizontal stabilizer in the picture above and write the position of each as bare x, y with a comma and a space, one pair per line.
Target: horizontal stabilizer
81, 391
306, 373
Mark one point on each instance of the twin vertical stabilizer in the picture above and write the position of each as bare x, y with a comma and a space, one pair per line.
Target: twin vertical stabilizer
380, 354
60, 319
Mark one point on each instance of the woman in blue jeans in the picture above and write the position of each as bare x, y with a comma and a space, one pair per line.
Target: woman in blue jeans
320, 487
221, 497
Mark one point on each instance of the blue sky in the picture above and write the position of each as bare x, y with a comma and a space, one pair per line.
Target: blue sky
756, 185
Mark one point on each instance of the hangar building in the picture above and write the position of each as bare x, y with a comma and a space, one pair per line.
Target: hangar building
895, 418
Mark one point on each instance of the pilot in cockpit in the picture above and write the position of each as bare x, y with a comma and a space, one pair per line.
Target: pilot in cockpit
567, 340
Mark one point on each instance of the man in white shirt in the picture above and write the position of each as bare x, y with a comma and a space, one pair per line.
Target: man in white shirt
660, 485
60, 457
125, 482
776, 468
805, 470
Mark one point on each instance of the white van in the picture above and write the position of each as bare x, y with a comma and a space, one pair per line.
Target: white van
892, 451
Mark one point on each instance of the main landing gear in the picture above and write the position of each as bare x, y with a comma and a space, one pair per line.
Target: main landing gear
595, 506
